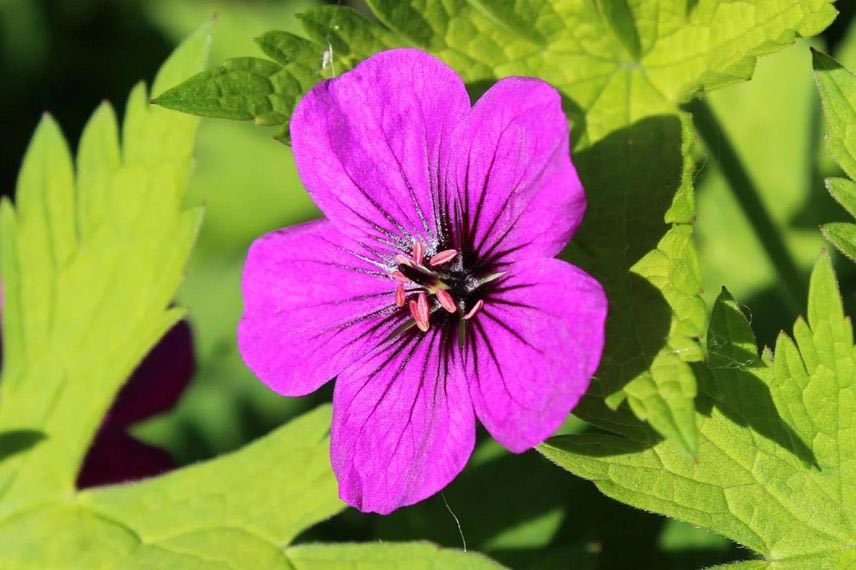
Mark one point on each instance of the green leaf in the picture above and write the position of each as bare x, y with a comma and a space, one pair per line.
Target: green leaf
91, 261
843, 236
267, 91
414, 555
623, 71
773, 471
651, 275
234, 511
780, 104
272, 488
844, 192
649, 55
837, 87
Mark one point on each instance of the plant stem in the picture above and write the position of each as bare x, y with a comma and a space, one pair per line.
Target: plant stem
791, 284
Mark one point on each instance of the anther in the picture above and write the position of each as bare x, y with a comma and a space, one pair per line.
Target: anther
442, 257
446, 300
423, 307
414, 312
476, 308
400, 277
399, 295
402, 260
418, 252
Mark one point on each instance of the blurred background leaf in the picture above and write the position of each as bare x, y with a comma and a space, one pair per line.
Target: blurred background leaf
775, 124
249, 186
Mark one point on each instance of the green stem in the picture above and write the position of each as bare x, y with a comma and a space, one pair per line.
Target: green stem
790, 278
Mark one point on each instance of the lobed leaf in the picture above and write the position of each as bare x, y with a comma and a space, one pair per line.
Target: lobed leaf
843, 236
602, 57
231, 512
267, 91
776, 448
837, 87
91, 261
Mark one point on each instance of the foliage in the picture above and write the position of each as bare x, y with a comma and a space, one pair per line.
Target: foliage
623, 72
781, 102
773, 471
837, 87
755, 448
90, 262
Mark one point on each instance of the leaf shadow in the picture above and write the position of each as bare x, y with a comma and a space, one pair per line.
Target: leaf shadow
522, 512
729, 384
18, 441
631, 178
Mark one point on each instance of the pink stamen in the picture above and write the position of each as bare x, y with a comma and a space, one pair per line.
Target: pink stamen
423, 307
414, 312
418, 252
402, 260
446, 300
476, 308
399, 296
400, 277
442, 257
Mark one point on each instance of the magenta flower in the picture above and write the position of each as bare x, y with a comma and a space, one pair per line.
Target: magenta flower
430, 289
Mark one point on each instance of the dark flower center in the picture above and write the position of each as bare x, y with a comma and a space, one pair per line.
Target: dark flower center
438, 289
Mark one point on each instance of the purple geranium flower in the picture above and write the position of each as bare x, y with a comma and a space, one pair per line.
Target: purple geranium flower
430, 289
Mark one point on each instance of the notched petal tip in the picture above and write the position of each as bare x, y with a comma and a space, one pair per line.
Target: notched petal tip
362, 142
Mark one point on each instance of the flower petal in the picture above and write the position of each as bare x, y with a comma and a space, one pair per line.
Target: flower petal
403, 423
520, 194
532, 349
367, 145
313, 302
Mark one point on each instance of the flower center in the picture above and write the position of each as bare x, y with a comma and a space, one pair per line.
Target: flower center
436, 284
